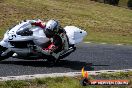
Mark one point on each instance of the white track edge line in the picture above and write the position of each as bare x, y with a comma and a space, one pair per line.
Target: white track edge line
68, 74
103, 43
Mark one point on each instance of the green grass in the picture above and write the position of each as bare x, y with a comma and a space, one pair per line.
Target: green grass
104, 23
59, 82
67, 82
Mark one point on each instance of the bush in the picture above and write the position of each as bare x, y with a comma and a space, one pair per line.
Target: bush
129, 4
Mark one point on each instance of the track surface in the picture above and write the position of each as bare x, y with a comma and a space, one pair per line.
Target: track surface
92, 56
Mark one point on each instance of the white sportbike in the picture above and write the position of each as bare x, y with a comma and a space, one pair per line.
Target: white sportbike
28, 42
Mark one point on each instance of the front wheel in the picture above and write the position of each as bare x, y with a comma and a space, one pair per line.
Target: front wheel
5, 53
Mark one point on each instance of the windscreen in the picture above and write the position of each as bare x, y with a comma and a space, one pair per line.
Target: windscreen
25, 30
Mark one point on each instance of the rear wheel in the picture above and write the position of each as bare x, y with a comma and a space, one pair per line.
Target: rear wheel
5, 53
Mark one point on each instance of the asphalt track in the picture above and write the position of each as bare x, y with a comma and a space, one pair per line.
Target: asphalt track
92, 56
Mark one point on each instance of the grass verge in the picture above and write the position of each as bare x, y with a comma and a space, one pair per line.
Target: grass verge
67, 82
104, 23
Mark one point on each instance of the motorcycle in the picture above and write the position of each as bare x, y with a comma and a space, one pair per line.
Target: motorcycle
28, 42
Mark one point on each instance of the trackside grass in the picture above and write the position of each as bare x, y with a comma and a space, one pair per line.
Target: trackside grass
104, 23
67, 82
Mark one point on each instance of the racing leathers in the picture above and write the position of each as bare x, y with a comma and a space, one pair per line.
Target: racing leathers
58, 40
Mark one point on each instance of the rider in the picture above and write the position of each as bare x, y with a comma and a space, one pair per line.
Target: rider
55, 33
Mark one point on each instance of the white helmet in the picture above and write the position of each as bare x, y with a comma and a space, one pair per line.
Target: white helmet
51, 28
52, 25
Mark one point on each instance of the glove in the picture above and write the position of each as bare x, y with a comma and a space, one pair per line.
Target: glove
38, 24
52, 47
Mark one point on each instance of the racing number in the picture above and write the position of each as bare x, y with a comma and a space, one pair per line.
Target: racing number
12, 37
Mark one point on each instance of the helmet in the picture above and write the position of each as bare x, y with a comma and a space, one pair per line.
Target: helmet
51, 28
52, 25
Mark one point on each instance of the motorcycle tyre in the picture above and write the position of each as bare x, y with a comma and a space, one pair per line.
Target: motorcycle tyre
9, 54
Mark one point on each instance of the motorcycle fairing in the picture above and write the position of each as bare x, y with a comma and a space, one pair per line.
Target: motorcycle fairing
75, 35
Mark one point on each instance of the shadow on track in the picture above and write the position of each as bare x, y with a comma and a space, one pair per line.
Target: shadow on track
75, 65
